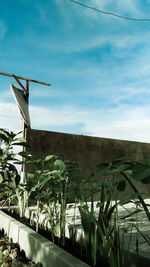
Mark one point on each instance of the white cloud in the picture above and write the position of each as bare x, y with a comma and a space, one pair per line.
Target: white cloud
124, 122
9, 116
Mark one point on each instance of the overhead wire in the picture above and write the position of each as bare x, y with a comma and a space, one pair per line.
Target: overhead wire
110, 13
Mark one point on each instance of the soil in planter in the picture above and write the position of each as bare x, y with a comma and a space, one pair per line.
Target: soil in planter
11, 256
73, 248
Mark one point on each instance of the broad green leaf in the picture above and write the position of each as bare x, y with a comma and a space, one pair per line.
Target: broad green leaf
48, 173
109, 185
20, 139
10, 134
128, 172
12, 168
119, 160
142, 162
139, 172
20, 144
101, 168
119, 169
44, 180
4, 138
49, 157
85, 220
35, 162
60, 165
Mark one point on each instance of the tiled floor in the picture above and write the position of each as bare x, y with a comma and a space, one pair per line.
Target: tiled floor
134, 230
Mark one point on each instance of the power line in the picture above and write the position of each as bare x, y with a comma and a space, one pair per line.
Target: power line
109, 13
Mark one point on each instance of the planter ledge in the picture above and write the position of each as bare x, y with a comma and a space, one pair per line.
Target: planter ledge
36, 247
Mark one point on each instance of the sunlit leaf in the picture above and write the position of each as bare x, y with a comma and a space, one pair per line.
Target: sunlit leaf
49, 157
1, 178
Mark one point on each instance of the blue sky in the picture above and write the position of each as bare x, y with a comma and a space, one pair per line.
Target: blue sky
99, 66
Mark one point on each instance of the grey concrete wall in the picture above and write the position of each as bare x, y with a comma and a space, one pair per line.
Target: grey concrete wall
87, 150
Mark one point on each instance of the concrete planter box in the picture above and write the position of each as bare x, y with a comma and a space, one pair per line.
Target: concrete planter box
36, 247
39, 249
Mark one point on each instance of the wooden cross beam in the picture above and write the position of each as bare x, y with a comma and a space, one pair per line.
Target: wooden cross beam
23, 78
25, 90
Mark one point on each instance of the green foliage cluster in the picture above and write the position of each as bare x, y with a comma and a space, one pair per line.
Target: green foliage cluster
9, 175
49, 183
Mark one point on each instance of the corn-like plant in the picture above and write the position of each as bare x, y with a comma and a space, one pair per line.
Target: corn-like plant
101, 238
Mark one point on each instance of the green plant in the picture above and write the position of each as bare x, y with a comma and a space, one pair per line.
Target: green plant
49, 183
101, 238
98, 232
9, 174
138, 170
50, 192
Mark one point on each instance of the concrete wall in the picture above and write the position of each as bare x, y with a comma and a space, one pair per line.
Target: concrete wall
88, 151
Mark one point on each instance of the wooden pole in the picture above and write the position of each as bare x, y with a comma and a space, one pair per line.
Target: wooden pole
27, 91
26, 95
